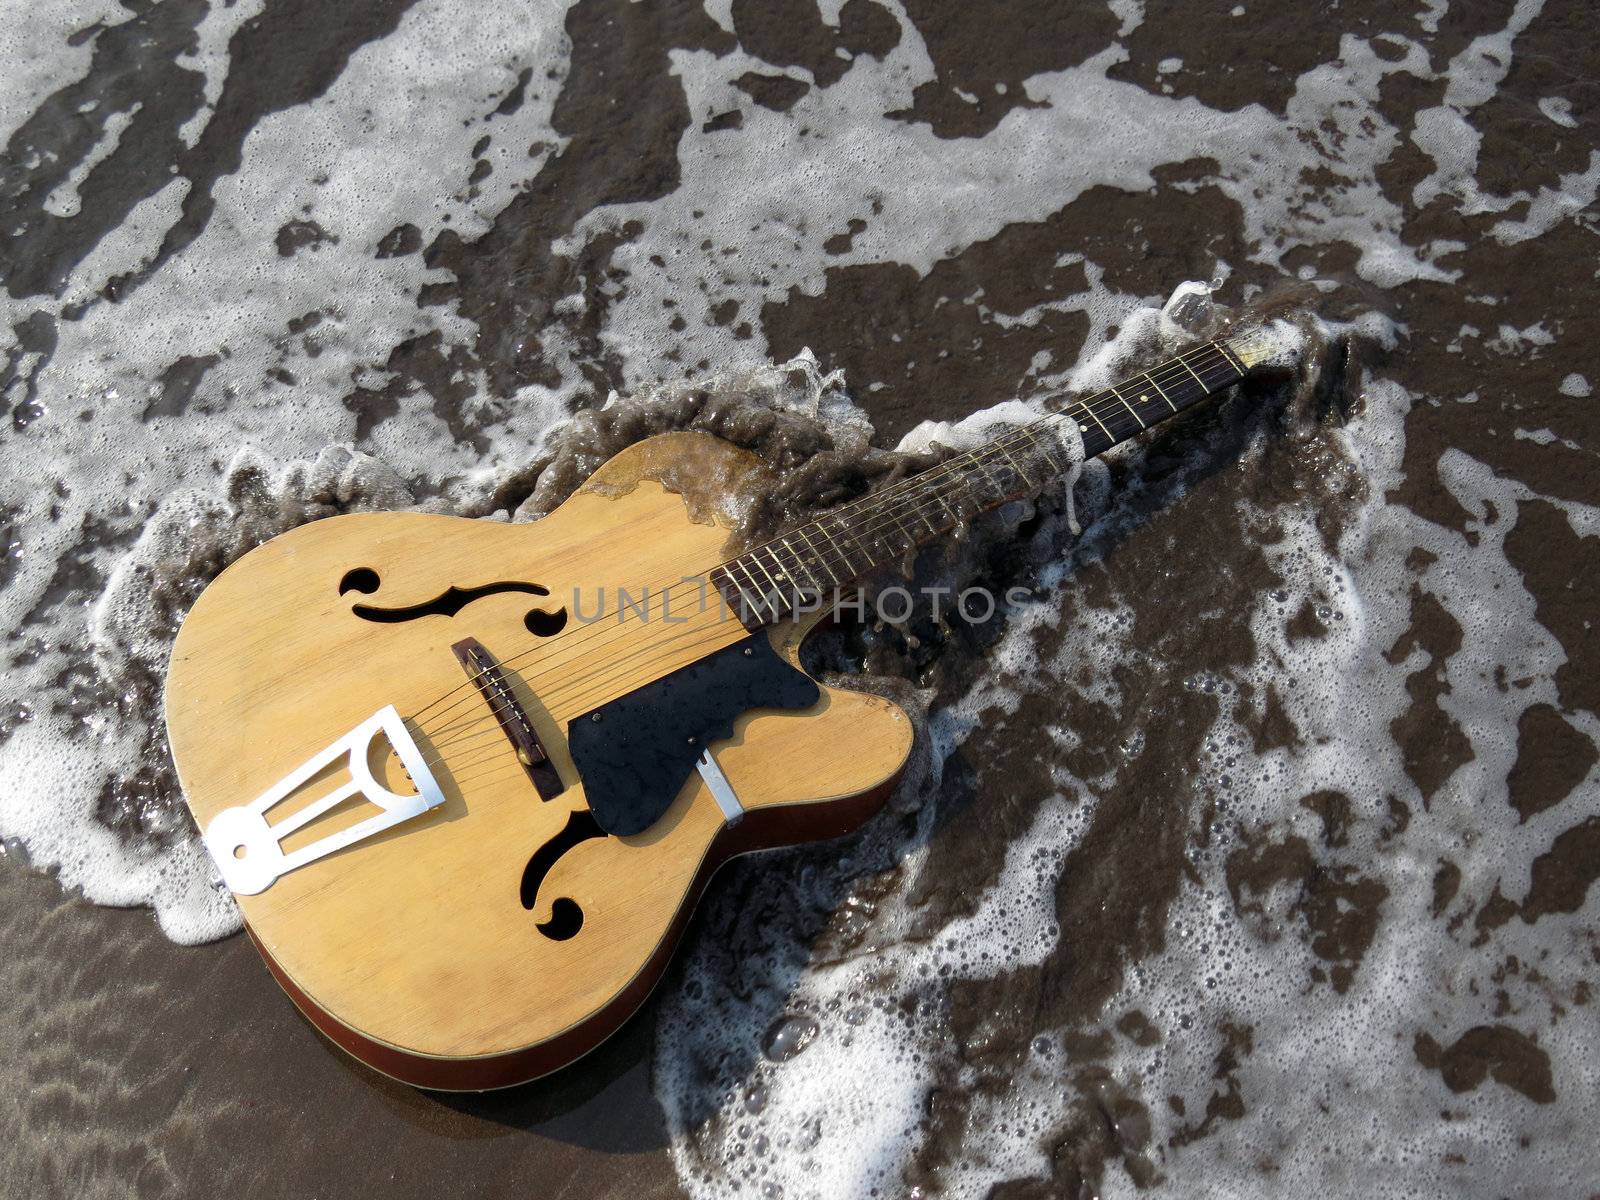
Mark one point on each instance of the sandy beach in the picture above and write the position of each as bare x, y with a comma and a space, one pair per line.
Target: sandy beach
1248, 852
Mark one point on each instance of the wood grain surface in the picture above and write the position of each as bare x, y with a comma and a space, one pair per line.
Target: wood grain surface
416, 940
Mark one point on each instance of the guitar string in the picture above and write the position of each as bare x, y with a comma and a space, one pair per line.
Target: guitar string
557, 692
1098, 408
495, 752
913, 489
886, 496
920, 505
882, 501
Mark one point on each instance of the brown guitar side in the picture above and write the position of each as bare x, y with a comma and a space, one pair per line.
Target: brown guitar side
412, 950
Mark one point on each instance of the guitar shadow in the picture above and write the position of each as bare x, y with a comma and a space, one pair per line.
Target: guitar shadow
602, 1103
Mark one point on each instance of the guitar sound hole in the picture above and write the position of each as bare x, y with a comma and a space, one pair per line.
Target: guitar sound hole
449, 602
566, 915
566, 918
545, 624
362, 579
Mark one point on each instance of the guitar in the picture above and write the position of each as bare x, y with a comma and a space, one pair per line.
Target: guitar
465, 818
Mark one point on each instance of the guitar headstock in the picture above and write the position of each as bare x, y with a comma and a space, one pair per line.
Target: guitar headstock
1275, 344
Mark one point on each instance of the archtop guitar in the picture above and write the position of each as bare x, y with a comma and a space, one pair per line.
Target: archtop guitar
467, 779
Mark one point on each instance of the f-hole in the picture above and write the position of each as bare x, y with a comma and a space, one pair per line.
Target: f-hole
545, 624
362, 579
566, 915
449, 602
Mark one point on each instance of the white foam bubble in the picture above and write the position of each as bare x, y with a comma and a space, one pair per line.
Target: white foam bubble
862, 1079
1322, 1050
121, 508
1577, 386
1324, 1053
125, 489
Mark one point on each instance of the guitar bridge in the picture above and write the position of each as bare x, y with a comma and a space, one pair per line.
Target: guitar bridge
492, 684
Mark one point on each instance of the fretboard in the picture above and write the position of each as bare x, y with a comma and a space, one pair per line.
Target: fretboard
769, 582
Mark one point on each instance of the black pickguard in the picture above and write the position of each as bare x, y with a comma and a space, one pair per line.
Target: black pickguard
635, 752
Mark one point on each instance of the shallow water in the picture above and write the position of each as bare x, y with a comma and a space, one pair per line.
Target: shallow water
1251, 854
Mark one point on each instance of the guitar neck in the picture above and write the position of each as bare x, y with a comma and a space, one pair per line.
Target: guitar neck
769, 582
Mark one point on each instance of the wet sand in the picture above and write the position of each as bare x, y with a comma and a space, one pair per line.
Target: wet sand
139, 1065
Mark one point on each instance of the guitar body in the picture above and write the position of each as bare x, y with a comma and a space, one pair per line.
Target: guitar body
499, 934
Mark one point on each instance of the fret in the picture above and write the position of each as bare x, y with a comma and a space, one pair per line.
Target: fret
773, 596
876, 530
794, 567
1130, 408
901, 508
1095, 438
744, 600
1215, 370
987, 487
1226, 369
1031, 447
1076, 417
967, 497
1026, 478
843, 554
1112, 418
1047, 448
1165, 398
989, 481
1011, 478
848, 532
1159, 392
1201, 358
805, 536
894, 512
1089, 408
868, 539
920, 506
779, 574
755, 587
